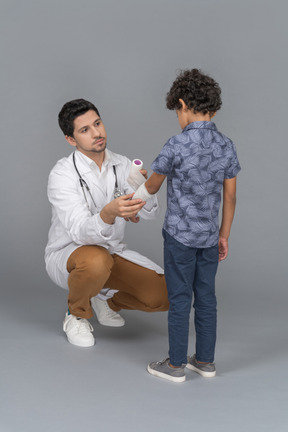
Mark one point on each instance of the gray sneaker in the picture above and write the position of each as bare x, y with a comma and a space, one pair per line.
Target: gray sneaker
163, 370
207, 370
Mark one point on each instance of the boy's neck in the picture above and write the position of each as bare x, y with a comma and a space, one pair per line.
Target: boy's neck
193, 117
187, 116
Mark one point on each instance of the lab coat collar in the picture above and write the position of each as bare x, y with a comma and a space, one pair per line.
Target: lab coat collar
85, 164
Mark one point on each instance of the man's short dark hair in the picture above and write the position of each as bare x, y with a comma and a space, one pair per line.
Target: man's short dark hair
70, 111
199, 92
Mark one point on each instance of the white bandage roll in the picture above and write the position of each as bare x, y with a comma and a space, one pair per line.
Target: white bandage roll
142, 193
135, 178
137, 164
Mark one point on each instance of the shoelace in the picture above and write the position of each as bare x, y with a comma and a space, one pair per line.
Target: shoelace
167, 361
84, 326
110, 312
162, 362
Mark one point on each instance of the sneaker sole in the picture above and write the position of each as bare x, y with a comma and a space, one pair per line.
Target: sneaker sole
202, 373
165, 376
112, 324
83, 345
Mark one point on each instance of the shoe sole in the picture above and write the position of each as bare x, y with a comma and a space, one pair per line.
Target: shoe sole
202, 373
165, 376
111, 323
82, 345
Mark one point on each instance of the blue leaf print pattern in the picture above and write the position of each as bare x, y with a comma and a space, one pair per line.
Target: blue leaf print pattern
196, 162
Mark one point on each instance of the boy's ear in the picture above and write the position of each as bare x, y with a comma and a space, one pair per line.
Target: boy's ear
70, 140
183, 105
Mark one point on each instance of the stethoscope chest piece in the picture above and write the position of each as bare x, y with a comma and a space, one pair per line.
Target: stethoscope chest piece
117, 193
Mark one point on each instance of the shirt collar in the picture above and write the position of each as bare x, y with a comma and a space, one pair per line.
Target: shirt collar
110, 158
86, 164
201, 125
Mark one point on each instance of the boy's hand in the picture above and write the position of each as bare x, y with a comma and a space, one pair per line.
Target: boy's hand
223, 248
144, 173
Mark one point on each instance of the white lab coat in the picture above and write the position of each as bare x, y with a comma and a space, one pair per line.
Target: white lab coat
72, 223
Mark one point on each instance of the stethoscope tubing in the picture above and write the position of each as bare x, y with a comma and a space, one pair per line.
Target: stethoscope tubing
83, 183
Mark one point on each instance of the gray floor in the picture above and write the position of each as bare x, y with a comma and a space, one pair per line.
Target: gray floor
49, 385
123, 56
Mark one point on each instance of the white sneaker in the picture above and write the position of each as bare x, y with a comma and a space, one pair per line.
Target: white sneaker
105, 315
78, 331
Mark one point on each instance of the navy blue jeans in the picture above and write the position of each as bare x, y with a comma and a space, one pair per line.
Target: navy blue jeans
190, 271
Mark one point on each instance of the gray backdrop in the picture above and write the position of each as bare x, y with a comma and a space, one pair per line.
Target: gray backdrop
123, 56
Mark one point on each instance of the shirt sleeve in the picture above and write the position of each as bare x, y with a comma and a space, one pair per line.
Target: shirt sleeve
151, 209
163, 164
233, 166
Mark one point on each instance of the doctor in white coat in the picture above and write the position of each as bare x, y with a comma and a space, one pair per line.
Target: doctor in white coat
91, 202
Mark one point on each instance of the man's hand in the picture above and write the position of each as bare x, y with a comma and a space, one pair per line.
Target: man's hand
223, 248
134, 219
124, 206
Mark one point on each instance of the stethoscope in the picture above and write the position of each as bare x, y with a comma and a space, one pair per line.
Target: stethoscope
117, 191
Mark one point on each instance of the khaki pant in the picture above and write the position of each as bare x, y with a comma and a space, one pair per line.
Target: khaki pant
92, 268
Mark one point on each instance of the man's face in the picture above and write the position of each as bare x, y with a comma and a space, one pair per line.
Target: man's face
89, 134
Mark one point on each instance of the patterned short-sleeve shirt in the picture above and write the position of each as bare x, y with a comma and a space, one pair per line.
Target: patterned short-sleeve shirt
196, 162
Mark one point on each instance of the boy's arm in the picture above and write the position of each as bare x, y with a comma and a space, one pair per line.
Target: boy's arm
154, 182
228, 210
150, 187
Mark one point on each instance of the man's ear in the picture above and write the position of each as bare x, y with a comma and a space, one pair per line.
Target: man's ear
70, 140
183, 105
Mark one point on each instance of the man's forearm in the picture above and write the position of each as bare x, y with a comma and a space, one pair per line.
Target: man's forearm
106, 216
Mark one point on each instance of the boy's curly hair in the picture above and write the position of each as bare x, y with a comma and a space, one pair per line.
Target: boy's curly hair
200, 92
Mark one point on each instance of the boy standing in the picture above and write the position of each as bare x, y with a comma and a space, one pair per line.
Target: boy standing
199, 163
